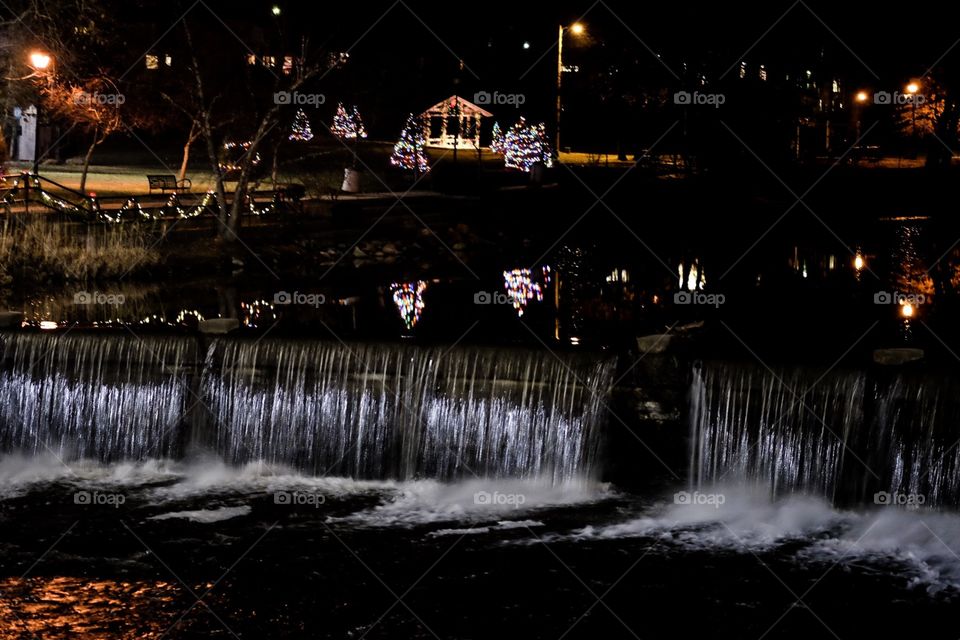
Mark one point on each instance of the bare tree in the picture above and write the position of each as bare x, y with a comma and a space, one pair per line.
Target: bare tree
95, 107
207, 118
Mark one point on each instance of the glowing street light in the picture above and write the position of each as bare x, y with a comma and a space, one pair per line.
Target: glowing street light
40, 60
862, 96
906, 310
276, 10
858, 262
576, 29
912, 90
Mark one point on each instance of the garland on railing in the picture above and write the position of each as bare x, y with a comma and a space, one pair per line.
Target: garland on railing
91, 210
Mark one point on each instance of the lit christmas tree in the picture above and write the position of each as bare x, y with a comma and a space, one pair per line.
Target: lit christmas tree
300, 129
525, 145
496, 144
408, 153
348, 125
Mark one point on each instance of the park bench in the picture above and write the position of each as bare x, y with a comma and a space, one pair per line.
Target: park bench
168, 183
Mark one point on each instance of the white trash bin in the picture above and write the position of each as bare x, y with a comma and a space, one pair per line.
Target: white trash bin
351, 181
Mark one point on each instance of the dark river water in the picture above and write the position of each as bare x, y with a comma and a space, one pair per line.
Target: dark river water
197, 549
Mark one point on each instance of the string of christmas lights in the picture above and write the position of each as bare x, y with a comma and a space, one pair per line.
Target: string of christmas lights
228, 165
348, 125
526, 145
300, 129
408, 296
496, 143
522, 288
409, 153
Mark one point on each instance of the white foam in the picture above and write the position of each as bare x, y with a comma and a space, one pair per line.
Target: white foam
160, 481
205, 516
500, 526
924, 544
478, 500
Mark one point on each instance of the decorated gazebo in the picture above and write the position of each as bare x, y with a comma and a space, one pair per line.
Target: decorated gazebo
454, 122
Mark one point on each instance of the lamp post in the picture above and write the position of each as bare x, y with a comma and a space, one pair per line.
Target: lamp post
861, 99
576, 29
39, 62
912, 90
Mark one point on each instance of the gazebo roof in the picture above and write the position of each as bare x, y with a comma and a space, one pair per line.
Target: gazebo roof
467, 108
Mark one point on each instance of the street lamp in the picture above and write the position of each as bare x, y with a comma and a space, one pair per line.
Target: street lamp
912, 90
861, 99
576, 29
40, 62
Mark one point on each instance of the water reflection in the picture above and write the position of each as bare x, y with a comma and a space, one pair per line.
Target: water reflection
909, 271
408, 296
692, 277
67, 608
525, 285
257, 313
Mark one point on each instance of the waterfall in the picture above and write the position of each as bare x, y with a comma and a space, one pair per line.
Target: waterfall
105, 397
396, 411
843, 435
361, 410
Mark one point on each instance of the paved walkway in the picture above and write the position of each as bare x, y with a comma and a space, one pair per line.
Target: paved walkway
111, 180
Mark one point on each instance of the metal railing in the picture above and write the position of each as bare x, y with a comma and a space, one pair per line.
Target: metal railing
25, 189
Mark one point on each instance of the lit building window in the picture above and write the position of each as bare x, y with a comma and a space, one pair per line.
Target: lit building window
168, 60
269, 61
836, 87
251, 58
763, 73
287, 64
152, 61
743, 70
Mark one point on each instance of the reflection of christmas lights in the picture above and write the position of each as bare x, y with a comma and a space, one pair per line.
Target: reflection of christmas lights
696, 277
257, 312
408, 296
521, 287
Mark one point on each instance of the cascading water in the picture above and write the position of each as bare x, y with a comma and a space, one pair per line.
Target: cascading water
844, 435
391, 411
104, 397
366, 411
